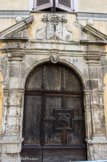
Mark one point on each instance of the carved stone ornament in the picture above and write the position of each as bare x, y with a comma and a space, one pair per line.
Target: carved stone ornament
63, 120
54, 58
54, 28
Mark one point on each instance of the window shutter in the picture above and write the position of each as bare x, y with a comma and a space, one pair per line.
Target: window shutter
42, 4
67, 5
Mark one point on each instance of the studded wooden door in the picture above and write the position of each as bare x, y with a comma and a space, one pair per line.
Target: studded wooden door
53, 127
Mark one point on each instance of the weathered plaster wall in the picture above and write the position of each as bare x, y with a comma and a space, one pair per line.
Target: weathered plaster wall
99, 25
14, 5
72, 26
36, 25
99, 6
5, 23
83, 5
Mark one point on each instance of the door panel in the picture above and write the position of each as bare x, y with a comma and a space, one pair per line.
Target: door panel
72, 82
32, 118
53, 77
75, 103
52, 103
35, 80
54, 127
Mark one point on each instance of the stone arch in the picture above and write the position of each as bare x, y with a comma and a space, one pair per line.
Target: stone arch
61, 61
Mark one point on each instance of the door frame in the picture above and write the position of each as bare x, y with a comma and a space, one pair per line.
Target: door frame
83, 82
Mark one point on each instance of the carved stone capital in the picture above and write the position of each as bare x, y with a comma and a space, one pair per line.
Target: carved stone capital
15, 56
93, 57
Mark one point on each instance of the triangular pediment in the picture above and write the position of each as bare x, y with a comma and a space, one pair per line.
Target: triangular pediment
94, 34
17, 30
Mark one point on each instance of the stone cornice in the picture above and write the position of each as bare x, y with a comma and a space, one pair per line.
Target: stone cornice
15, 39
14, 13
93, 16
93, 42
20, 52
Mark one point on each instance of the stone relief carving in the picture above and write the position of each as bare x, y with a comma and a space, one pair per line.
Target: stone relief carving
54, 58
54, 28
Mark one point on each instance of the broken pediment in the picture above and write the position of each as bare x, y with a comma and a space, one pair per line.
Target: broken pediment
91, 34
54, 28
18, 30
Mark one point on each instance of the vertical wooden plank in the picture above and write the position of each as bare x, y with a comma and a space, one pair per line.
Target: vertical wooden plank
35, 80
32, 119
53, 77
51, 136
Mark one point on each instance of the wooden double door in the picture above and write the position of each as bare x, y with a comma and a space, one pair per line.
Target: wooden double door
53, 126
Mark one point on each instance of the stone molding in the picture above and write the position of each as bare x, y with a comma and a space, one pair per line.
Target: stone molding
93, 16
93, 57
91, 142
88, 55
14, 13
15, 56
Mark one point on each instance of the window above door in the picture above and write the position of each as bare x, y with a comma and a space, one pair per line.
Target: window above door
53, 5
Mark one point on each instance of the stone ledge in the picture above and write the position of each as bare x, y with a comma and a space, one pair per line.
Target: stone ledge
11, 140
96, 142
94, 16
14, 13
